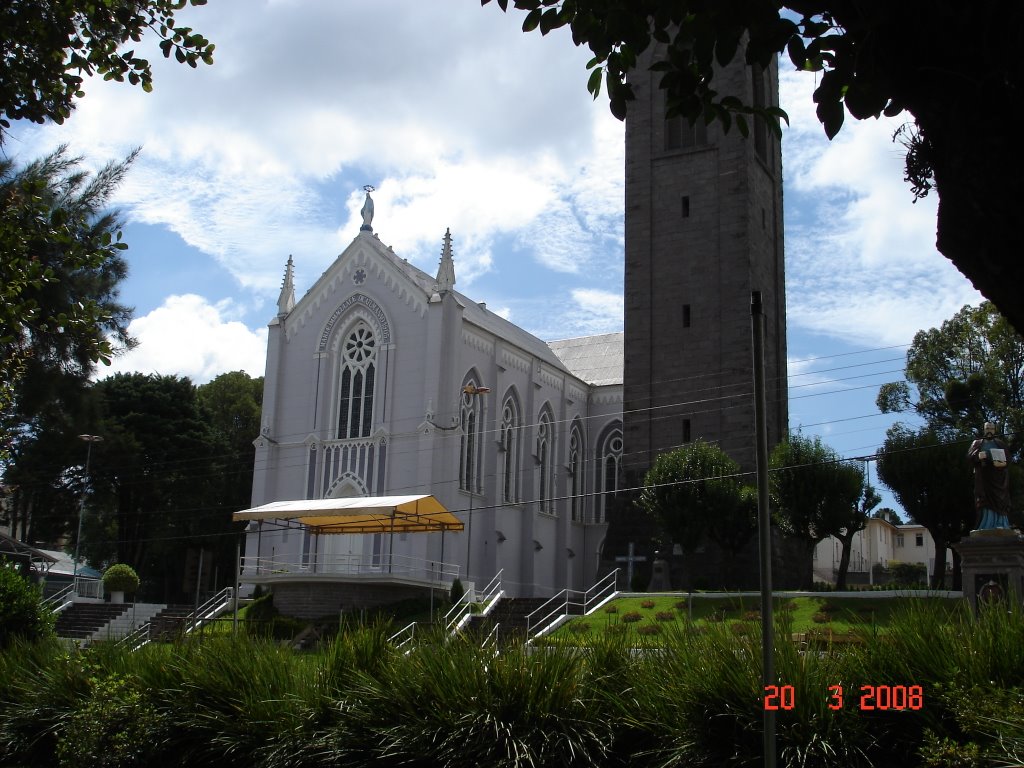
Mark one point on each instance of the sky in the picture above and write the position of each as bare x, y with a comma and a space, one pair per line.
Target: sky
461, 121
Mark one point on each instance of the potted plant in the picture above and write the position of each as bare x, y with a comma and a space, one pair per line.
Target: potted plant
118, 579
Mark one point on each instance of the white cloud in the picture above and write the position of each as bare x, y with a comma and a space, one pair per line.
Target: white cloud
861, 263
473, 125
188, 336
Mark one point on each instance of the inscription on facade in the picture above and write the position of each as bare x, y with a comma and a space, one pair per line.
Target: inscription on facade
365, 301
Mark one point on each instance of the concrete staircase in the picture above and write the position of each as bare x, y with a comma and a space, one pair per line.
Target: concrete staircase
169, 624
81, 621
129, 621
509, 615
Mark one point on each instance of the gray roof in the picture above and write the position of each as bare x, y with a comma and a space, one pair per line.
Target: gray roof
479, 315
598, 360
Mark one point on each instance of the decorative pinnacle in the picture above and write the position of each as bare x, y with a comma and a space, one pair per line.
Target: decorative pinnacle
446, 270
286, 301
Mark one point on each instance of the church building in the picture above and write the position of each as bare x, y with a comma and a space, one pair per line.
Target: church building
384, 380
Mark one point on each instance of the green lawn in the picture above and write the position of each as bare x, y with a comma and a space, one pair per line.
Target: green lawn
650, 615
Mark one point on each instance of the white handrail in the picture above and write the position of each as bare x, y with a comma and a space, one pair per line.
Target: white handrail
324, 565
57, 602
409, 629
492, 636
459, 613
562, 604
209, 610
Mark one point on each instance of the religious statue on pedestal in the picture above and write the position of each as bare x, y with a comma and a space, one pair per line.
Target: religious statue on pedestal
367, 210
989, 458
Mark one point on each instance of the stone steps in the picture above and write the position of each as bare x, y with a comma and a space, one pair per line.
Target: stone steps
81, 621
510, 616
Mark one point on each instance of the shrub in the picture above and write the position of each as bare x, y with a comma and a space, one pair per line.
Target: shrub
115, 726
906, 574
120, 577
665, 616
682, 605
631, 617
647, 604
457, 591
611, 609
22, 613
649, 629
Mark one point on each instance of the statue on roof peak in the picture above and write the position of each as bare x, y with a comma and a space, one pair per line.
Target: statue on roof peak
367, 210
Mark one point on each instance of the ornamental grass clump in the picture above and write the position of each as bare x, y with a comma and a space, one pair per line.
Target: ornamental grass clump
457, 704
240, 702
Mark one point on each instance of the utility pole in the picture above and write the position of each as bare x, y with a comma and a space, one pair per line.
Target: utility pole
89, 440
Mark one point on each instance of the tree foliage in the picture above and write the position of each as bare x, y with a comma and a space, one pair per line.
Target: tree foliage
174, 464
968, 371
59, 275
22, 614
49, 47
868, 59
232, 404
931, 479
816, 493
694, 492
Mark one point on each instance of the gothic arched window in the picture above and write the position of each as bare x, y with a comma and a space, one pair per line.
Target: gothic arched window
545, 460
576, 473
355, 391
510, 447
609, 462
470, 421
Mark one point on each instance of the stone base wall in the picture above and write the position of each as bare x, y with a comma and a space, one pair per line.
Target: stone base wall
314, 600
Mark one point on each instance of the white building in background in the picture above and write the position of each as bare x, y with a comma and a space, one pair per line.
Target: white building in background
375, 385
880, 543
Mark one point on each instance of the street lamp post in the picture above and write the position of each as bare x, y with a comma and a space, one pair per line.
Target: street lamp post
89, 439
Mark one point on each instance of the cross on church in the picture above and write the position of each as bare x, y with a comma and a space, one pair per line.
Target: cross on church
629, 559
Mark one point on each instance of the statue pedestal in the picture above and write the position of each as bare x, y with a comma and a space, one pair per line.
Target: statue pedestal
992, 563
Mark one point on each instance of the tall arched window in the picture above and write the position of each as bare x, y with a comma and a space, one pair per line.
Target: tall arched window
469, 449
576, 473
510, 447
355, 392
609, 463
545, 460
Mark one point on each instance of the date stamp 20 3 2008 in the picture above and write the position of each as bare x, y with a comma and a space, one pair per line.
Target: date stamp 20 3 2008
869, 697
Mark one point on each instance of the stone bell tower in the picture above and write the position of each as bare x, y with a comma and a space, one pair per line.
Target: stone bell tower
703, 229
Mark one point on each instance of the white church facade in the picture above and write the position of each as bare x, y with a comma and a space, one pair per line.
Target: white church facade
384, 380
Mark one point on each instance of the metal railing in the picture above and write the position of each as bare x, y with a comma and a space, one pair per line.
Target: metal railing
374, 566
492, 638
58, 601
91, 588
207, 612
484, 599
137, 638
404, 636
570, 602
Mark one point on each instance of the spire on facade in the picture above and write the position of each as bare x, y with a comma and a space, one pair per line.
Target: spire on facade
367, 210
286, 301
446, 270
